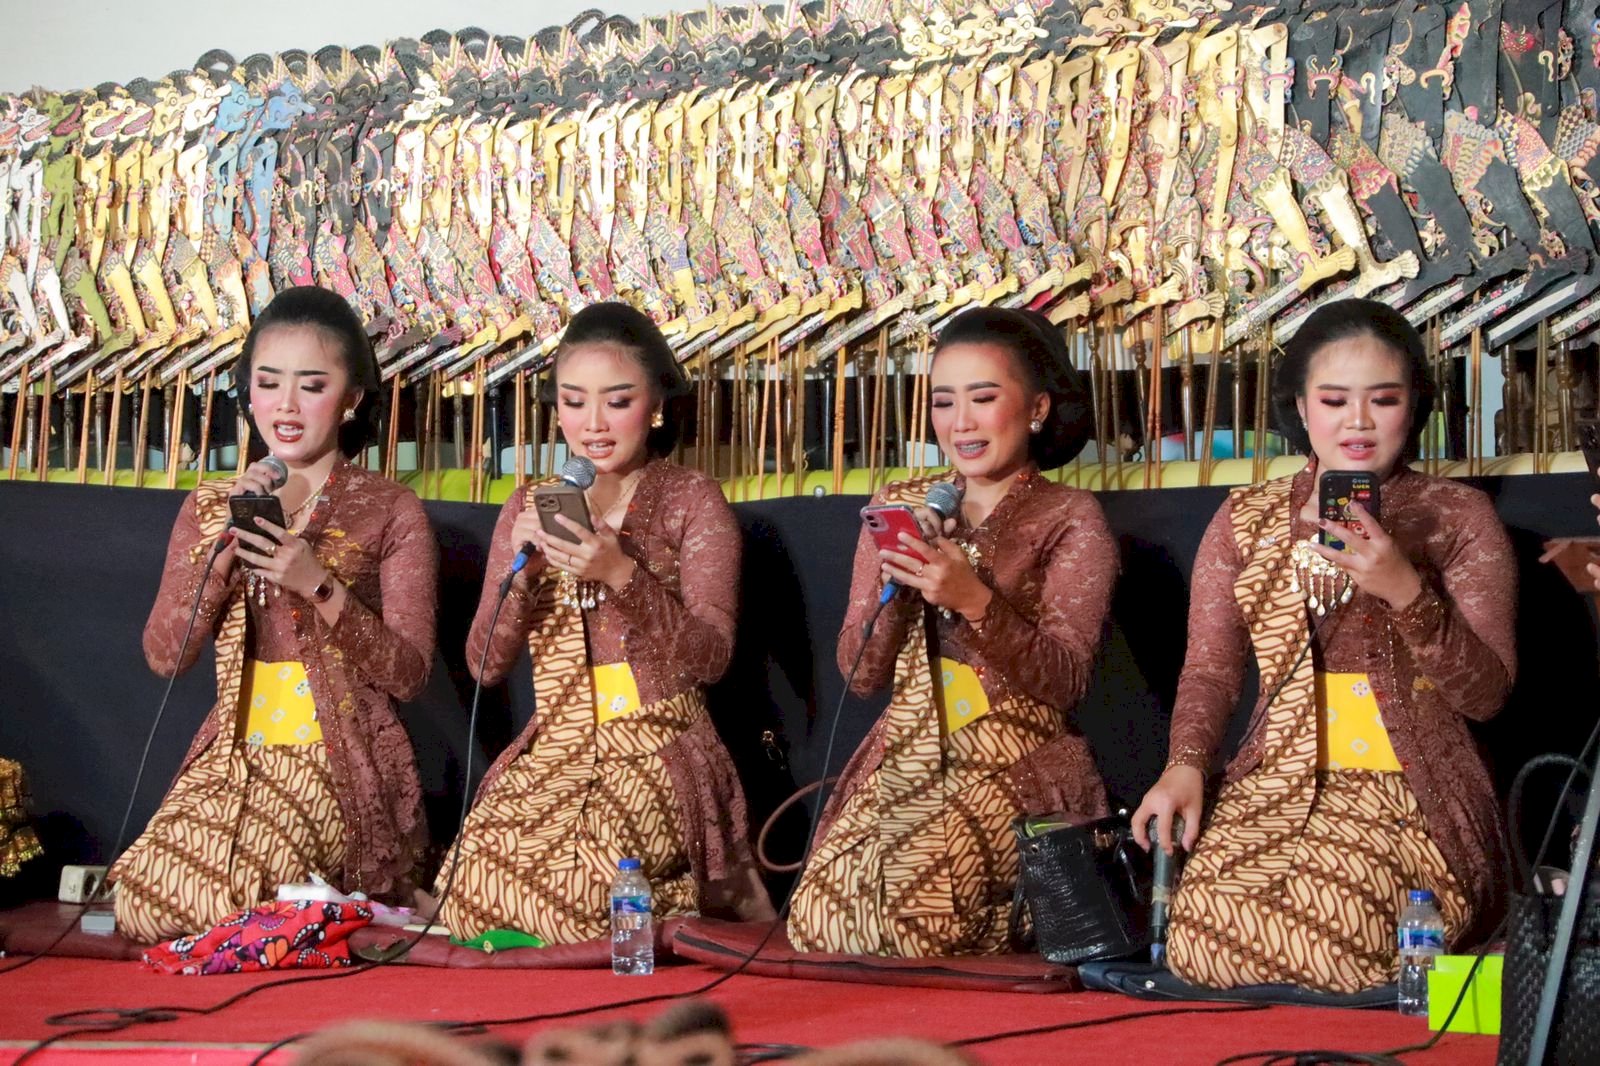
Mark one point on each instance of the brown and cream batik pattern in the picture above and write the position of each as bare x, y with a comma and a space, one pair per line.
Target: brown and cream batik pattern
238, 821
540, 848
921, 861
233, 828
1299, 876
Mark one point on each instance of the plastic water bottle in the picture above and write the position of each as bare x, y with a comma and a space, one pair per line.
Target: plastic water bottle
633, 946
1421, 941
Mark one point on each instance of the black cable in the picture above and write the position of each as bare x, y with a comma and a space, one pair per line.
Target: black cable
772, 927
1090, 1023
1385, 1058
98, 894
118, 1019
481, 1024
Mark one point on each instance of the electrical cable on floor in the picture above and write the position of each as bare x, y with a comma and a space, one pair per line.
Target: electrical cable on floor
99, 893
116, 1019
662, 997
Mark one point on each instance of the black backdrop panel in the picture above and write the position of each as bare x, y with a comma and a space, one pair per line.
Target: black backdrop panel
79, 568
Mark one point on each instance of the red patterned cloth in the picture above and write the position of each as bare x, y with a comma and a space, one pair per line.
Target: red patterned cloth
298, 934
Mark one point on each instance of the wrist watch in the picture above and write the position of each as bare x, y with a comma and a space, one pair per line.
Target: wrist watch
324, 591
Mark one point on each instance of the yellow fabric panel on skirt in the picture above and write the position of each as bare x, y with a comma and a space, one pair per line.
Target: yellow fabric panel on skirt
615, 691
962, 700
1353, 736
278, 707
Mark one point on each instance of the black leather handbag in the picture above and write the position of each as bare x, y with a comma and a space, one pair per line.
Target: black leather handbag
1574, 1032
1086, 887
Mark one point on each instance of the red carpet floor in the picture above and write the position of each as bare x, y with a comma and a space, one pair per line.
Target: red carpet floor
762, 1009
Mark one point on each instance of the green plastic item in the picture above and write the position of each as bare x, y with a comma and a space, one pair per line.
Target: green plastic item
1480, 1011
501, 940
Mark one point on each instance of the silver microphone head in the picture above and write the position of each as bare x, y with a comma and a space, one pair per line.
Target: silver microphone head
578, 472
280, 472
944, 499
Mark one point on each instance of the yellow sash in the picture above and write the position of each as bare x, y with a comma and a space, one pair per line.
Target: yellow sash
1353, 736
962, 700
615, 692
277, 705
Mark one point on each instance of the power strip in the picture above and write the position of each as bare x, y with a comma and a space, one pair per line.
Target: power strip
80, 883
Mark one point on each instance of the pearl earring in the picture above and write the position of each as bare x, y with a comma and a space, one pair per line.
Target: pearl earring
1035, 426
349, 415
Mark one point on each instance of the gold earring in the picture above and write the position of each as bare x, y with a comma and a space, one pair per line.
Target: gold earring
658, 420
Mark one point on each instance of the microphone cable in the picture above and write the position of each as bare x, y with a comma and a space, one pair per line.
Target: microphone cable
482, 1024
99, 893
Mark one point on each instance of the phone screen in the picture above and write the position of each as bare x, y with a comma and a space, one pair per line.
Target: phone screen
1338, 489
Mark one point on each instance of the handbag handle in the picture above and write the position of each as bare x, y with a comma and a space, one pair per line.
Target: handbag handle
1524, 863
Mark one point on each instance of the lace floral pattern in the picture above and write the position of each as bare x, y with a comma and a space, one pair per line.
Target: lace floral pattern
1447, 658
1052, 562
373, 535
673, 623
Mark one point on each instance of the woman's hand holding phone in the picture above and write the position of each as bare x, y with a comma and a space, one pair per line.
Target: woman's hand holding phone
596, 556
282, 558
1372, 559
941, 572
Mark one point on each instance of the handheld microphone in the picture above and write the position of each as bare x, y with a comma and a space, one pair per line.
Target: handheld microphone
280, 476
1161, 885
944, 500
577, 472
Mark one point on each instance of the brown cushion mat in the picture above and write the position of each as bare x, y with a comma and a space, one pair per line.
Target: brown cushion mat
725, 945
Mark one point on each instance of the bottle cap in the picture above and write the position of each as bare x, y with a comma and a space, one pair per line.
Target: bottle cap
1420, 895
628, 864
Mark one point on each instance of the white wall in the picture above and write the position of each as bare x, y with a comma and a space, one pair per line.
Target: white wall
72, 44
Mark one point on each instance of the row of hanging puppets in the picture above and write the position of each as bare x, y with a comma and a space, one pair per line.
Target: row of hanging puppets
790, 180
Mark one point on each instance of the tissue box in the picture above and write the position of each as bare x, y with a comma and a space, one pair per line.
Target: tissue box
1480, 1010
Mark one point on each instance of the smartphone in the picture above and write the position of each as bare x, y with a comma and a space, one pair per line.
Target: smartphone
1337, 490
561, 499
887, 521
1589, 441
245, 510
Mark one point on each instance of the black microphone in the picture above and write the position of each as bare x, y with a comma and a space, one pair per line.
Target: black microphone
1163, 876
944, 500
577, 472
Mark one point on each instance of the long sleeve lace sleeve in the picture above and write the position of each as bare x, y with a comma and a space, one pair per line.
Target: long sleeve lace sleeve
1052, 657
394, 649
510, 634
1464, 641
186, 563
878, 658
1219, 644
692, 630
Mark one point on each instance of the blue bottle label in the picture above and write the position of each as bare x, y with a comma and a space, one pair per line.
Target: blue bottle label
1422, 940
630, 904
